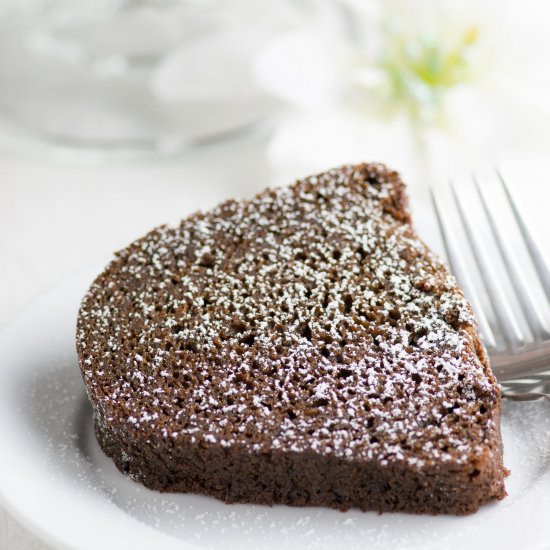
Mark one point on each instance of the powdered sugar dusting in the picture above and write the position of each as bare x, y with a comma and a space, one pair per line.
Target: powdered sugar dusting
309, 318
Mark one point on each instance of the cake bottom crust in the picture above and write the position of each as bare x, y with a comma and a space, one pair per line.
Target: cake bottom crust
308, 479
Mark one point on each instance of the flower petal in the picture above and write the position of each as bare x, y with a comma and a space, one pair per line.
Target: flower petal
302, 67
213, 68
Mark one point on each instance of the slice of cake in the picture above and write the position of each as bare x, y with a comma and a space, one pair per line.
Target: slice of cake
303, 347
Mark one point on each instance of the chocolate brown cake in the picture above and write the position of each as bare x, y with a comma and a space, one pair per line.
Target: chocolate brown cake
302, 347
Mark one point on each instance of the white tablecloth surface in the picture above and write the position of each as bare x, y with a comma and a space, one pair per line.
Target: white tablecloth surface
55, 219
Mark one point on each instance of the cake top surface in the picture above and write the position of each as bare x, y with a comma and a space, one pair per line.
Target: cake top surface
309, 318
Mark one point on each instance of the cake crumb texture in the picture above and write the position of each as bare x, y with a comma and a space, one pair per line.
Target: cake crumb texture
302, 347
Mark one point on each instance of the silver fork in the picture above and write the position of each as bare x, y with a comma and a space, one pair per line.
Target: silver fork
520, 359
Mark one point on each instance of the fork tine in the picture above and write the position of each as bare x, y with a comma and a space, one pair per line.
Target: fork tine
503, 311
457, 266
539, 261
532, 313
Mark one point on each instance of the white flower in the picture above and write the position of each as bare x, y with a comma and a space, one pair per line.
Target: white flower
429, 87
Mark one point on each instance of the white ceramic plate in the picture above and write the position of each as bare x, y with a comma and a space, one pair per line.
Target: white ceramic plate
57, 482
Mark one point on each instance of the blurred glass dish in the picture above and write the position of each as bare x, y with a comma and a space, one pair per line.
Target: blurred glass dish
133, 77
